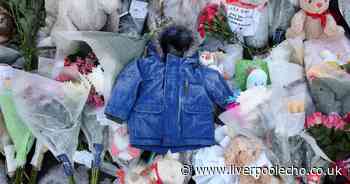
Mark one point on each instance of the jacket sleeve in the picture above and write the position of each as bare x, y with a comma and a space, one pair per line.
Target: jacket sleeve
217, 88
124, 93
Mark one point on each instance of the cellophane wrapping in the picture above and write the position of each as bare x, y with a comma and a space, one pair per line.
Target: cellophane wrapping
51, 109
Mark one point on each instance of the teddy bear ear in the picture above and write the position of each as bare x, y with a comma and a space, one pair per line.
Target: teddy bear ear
294, 2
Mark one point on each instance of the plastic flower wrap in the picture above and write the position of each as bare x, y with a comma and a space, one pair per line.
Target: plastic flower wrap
112, 50
15, 125
246, 114
6, 145
108, 54
89, 67
51, 110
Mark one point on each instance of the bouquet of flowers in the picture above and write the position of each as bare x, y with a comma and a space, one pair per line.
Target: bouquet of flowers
86, 63
331, 133
51, 110
333, 136
212, 21
89, 67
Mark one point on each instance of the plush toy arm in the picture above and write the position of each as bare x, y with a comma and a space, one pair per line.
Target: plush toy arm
332, 29
297, 25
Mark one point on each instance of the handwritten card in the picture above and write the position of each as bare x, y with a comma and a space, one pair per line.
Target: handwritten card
138, 9
242, 20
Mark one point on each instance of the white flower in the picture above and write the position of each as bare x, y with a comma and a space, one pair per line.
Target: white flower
96, 78
74, 89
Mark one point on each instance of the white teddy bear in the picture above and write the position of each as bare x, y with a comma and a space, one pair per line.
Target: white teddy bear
81, 15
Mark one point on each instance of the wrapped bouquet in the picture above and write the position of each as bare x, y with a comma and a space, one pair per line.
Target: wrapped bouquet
51, 110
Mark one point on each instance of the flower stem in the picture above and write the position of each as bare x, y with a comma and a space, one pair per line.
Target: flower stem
94, 175
33, 176
19, 176
71, 180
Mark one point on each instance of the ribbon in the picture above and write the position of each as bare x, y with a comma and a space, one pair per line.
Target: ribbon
67, 166
321, 16
96, 163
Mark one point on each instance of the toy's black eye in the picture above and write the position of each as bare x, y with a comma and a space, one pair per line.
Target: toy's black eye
310, 1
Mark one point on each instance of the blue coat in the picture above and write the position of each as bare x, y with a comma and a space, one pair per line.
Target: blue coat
168, 104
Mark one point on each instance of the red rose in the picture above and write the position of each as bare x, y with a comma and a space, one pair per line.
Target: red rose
202, 19
67, 62
201, 31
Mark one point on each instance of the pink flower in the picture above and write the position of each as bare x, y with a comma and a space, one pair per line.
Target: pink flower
315, 119
313, 178
95, 99
85, 66
335, 121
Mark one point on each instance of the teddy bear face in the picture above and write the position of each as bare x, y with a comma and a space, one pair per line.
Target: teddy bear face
314, 6
7, 25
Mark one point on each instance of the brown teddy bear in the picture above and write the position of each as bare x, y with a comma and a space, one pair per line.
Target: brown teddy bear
242, 152
314, 21
7, 26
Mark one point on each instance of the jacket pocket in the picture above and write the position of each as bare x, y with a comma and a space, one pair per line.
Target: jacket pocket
148, 108
197, 98
150, 92
146, 121
197, 122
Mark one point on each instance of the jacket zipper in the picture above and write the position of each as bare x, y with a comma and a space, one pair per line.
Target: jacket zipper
185, 91
186, 87
179, 113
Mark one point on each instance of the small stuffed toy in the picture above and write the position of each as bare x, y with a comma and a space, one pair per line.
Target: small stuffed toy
80, 15
7, 26
314, 21
244, 68
257, 77
119, 146
248, 152
210, 60
163, 170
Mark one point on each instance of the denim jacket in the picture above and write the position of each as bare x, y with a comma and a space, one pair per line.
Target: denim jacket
168, 104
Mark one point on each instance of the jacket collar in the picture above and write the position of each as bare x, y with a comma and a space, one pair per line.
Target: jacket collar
188, 60
154, 51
